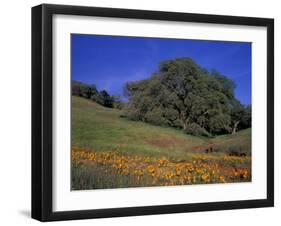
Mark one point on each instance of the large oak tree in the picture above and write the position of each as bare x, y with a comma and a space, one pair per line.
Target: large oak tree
182, 94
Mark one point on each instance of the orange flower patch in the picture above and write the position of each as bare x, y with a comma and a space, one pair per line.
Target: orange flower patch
157, 171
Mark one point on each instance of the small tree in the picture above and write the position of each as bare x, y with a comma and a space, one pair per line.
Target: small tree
103, 98
92, 91
83, 90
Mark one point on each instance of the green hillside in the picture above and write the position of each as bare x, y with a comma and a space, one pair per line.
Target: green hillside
97, 128
110, 151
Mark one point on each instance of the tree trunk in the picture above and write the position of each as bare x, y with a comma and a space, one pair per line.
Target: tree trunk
184, 123
184, 126
235, 127
183, 118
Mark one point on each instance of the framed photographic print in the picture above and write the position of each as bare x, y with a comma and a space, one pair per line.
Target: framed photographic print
146, 112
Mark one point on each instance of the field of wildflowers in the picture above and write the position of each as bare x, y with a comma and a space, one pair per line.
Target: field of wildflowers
107, 169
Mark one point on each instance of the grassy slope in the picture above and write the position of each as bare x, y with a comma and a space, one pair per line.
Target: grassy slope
239, 142
102, 129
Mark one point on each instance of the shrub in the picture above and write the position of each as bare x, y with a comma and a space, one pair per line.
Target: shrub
155, 117
103, 98
233, 149
134, 115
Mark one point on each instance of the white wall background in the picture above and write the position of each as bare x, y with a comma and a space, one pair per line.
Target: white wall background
15, 113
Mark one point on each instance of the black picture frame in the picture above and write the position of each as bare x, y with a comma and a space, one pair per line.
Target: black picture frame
42, 111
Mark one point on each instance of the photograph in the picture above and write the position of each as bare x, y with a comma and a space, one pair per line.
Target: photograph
151, 111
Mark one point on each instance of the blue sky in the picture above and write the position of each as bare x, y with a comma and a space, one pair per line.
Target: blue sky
110, 61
